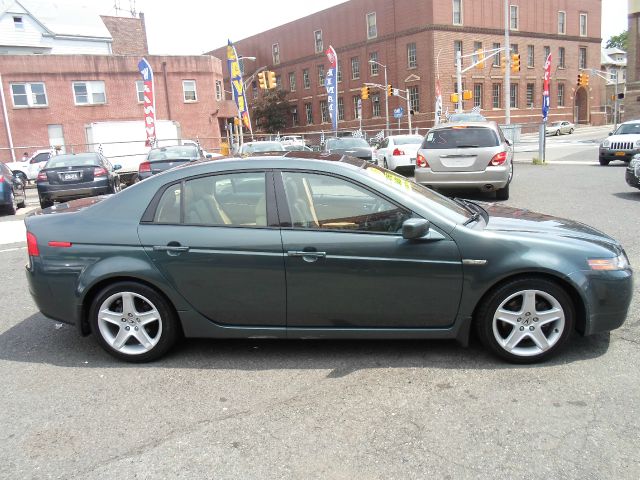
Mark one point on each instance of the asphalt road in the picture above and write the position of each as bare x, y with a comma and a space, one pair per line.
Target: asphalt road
329, 409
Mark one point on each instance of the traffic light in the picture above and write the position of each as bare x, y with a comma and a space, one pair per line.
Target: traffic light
364, 93
389, 90
262, 80
585, 80
515, 62
480, 57
271, 79
579, 79
503, 63
455, 98
467, 95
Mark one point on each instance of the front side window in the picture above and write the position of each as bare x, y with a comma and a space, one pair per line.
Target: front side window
328, 203
317, 37
89, 93
513, 17
275, 51
29, 95
355, 68
189, 90
457, 12
412, 59
372, 28
168, 210
583, 24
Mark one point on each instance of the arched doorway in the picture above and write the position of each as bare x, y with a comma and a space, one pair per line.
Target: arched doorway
581, 106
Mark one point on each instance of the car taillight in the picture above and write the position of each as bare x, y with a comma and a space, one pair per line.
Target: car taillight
42, 177
59, 244
397, 151
32, 245
99, 172
498, 159
144, 167
421, 161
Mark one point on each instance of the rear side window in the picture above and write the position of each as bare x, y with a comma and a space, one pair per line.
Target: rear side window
460, 137
168, 210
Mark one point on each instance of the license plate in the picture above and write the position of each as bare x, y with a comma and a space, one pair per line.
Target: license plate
620, 154
413, 160
71, 176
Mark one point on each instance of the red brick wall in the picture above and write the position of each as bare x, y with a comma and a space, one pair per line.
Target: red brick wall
129, 35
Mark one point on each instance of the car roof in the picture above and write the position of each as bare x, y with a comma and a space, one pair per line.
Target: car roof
492, 125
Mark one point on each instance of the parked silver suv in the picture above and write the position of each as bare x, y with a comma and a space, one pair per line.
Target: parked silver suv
466, 155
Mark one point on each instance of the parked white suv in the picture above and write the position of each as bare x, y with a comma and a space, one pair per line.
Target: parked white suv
622, 144
28, 169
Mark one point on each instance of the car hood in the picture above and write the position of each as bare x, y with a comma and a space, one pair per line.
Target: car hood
517, 220
630, 137
360, 152
72, 206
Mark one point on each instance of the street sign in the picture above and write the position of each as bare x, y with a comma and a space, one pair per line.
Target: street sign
398, 112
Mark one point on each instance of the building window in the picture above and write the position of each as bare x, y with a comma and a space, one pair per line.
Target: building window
562, 22
305, 78
340, 108
561, 57
373, 67
339, 74
477, 95
514, 95
412, 57
356, 112
582, 57
513, 17
457, 12
308, 110
189, 90
457, 47
279, 82
514, 48
294, 116
140, 91
317, 37
531, 56
292, 81
89, 93
583, 24
414, 98
495, 90
219, 91
561, 94
29, 95
324, 111
372, 28
18, 24
355, 68
275, 53
530, 94
375, 105
496, 59
321, 75
477, 46
547, 51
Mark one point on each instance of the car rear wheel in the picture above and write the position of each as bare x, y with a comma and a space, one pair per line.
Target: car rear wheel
526, 320
45, 203
603, 161
503, 193
11, 207
21, 203
133, 322
385, 164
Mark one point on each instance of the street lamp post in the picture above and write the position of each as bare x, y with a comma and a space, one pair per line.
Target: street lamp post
386, 95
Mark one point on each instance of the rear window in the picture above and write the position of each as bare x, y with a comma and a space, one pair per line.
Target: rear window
408, 140
174, 153
72, 161
461, 137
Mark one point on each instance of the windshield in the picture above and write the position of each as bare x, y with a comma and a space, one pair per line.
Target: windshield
346, 143
408, 140
461, 137
174, 153
556, 124
629, 128
262, 147
73, 160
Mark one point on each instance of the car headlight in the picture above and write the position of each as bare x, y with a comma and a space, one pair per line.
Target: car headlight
606, 143
616, 263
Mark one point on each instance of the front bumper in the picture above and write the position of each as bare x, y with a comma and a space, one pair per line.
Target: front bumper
64, 192
624, 155
492, 178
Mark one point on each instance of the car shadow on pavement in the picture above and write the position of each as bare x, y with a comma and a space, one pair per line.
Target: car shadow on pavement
39, 340
633, 195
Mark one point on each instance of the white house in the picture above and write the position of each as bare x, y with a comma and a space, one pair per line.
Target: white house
51, 27
614, 61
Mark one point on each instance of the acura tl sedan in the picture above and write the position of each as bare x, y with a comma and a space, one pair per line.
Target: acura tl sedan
329, 247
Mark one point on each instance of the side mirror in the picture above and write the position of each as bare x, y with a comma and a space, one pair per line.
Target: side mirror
414, 228
507, 141
208, 155
117, 166
610, 133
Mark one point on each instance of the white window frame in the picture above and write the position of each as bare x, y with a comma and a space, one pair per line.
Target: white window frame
184, 91
18, 22
306, 80
375, 25
453, 13
373, 67
315, 42
517, 10
580, 63
219, 91
355, 62
29, 94
586, 24
412, 64
275, 53
139, 91
376, 107
560, 94
89, 85
564, 22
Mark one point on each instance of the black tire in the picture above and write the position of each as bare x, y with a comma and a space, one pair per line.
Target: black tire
384, 164
167, 333
547, 289
557, 134
570, 131
22, 176
45, 203
11, 208
115, 188
503, 193
24, 198
603, 161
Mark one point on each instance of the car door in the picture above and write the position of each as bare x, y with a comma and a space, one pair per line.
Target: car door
381, 151
348, 266
226, 262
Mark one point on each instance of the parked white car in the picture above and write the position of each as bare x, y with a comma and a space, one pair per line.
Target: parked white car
292, 140
397, 151
559, 128
29, 168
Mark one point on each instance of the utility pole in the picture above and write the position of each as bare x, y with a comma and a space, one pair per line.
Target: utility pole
507, 71
386, 98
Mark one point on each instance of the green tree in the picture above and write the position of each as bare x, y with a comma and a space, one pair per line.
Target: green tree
271, 111
618, 41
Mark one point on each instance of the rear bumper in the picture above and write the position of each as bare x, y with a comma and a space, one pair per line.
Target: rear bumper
492, 177
402, 161
67, 192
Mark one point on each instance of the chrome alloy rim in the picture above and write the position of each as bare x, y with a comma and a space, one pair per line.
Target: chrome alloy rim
528, 323
130, 323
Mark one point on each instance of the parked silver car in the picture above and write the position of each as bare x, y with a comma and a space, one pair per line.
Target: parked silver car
559, 128
466, 155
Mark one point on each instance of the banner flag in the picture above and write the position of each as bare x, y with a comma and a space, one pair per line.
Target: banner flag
545, 89
331, 84
438, 110
149, 104
237, 85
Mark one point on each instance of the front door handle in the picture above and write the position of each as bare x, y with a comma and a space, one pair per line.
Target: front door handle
172, 248
307, 256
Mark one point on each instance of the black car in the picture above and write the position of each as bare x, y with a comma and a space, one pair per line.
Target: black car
12, 194
353, 147
71, 176
632, 173
161, 159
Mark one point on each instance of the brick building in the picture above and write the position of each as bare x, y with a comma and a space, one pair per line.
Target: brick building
632, 97
417, 41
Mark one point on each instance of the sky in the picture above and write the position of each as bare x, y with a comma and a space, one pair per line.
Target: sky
191, 27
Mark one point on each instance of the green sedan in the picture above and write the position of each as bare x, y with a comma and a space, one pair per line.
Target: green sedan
293, 246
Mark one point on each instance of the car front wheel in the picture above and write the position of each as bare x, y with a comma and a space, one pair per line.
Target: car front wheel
603, 161
133, 322
526, 320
